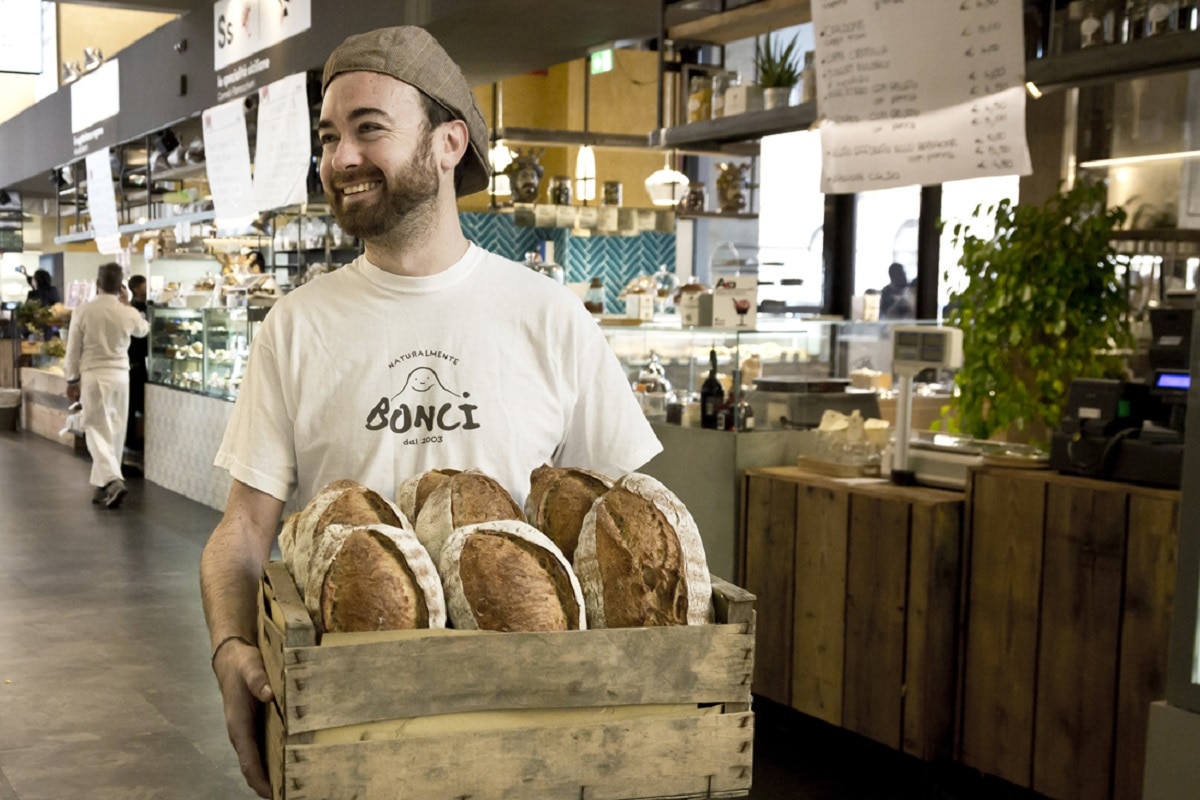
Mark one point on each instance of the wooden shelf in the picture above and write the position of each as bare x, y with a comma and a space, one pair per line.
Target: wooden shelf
712, 215
754, 19
1169, 52
716, 134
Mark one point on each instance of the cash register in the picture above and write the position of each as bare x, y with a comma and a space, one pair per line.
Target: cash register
1132, 431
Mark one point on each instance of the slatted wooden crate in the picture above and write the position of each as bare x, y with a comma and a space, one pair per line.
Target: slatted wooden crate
599, 715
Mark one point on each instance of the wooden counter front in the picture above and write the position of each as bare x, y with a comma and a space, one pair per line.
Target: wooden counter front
44, 396
1067, 610
858, 595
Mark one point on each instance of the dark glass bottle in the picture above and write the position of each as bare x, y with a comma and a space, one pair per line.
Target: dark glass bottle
712, 394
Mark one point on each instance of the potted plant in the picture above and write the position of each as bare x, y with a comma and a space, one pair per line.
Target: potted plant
778, 69
1044, 304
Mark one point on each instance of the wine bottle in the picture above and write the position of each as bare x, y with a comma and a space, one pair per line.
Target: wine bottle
712, 394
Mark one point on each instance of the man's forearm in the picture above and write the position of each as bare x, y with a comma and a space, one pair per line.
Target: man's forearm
233, 561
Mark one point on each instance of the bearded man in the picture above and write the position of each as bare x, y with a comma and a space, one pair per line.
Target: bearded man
515, 372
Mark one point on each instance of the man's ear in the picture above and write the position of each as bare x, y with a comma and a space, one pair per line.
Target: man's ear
455, 139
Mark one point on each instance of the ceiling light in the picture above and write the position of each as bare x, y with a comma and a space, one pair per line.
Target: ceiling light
585, 174
667, 186
70, 72
1033, 90
92, 58
499, 157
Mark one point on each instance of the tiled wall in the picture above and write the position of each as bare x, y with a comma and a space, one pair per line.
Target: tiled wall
616, 259
183, 431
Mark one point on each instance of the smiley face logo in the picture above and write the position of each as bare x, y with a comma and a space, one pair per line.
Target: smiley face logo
423, 380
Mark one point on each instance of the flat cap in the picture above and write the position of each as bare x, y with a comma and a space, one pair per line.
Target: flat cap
412, 55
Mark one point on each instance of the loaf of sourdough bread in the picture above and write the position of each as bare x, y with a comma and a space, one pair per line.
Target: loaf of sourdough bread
412, 493
505, 575
373, 577
464, 499
559, 498
640, 560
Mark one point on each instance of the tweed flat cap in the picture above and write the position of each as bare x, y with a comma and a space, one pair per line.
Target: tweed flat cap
412, 55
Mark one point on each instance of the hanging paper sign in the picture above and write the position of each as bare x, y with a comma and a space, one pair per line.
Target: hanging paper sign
283, 149
102, 201
227, 160
894, 115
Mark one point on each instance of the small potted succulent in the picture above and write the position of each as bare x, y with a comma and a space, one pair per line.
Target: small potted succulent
778, 70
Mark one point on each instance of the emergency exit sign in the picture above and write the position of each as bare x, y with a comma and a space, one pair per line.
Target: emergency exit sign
602, 61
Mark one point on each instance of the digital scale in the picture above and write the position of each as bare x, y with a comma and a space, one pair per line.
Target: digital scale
916, 348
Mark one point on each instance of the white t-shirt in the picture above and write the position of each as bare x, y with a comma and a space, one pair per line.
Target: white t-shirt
374, 377
99, 335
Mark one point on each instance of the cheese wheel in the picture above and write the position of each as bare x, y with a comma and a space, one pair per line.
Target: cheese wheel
505, 575
640, 559
559, 498
373, 578
464, 499
412, 493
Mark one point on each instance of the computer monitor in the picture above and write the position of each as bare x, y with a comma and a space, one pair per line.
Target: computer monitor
1171, 338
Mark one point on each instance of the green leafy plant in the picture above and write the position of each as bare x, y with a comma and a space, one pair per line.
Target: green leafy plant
777, 66
33, 316
55, 348
1043, 304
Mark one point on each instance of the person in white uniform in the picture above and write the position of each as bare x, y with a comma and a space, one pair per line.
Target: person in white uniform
97, 372
426, 352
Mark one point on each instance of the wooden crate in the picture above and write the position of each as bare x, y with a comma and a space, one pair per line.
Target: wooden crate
600, 715
859, 588
1067, 615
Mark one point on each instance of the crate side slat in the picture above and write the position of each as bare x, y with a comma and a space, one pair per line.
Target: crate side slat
441, 675
271, 646
733, 604
274, 749
298, 625
696, 756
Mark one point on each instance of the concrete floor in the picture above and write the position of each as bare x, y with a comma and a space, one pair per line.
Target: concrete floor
105, 688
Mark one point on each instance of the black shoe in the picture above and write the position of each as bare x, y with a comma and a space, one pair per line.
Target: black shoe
99, 495
114, 493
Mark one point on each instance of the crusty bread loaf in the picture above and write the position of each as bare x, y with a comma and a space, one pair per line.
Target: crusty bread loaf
640, 559
559, 498
464, 499
412, 493
373, 578
506, 575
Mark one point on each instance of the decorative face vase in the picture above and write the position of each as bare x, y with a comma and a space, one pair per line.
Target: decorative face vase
525, 174
732, 186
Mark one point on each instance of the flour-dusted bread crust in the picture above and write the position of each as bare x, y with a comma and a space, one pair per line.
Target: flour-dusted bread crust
559, 498
287, 541
373, 578
640, 559
412, 493
506, 575
465, 499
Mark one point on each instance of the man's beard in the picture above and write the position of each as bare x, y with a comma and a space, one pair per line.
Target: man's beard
407, 201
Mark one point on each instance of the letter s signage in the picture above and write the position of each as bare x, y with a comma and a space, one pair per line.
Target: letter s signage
224, 32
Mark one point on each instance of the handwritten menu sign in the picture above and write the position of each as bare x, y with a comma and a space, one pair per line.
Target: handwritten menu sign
919, 91
227, 160
102, 201
283, 149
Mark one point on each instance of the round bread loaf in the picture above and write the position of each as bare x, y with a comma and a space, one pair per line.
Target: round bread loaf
464, 499
412, 493
373, 578
640, 559
559, 498
341, 502
287, 541
505, 575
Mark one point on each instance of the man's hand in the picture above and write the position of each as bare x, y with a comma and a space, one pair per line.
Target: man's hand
73, 392
123, 295
244, 687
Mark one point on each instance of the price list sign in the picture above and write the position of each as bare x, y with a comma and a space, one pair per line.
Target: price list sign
919, 91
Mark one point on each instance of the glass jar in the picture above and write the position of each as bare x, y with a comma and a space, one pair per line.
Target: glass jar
695, 200
699, 107
593, 298
720, 83
1162, 16
612, 193
560, 190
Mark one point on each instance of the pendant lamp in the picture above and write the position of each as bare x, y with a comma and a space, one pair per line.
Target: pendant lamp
667, 186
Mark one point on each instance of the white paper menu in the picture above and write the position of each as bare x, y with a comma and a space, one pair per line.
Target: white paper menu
919, 91
227, 161
102, 201
283, 149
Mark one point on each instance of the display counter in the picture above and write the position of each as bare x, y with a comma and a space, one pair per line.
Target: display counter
44, 403
201, 350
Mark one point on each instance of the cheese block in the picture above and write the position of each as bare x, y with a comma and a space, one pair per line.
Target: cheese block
640, 559
559, 498
465, 499
373, 578
506, 575
412, 493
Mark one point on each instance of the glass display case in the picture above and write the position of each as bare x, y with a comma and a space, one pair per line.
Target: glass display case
201, 350
791, 369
